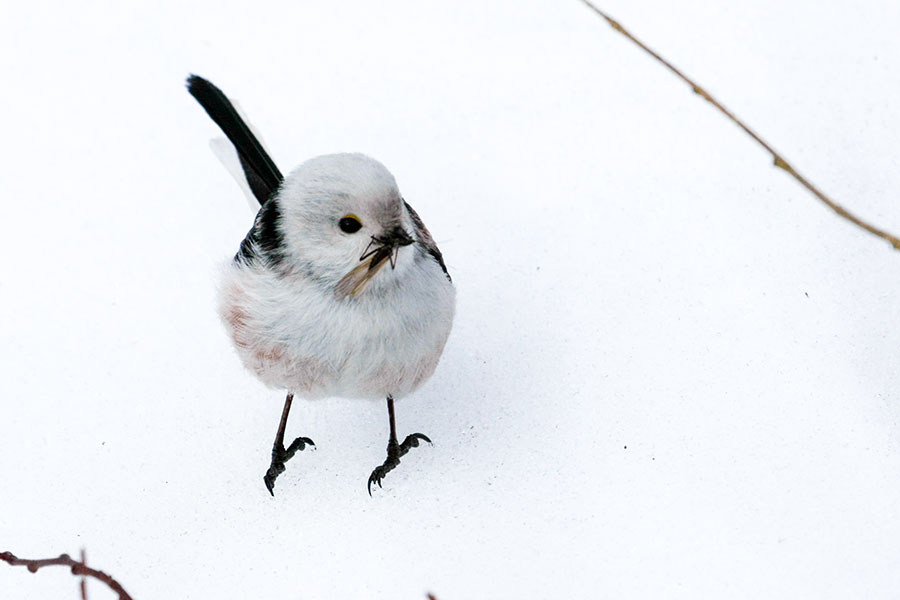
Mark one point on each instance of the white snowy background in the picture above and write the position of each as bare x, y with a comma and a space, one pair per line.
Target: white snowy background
673, 372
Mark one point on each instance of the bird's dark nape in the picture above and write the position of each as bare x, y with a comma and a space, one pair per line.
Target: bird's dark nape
262, 175
265, 240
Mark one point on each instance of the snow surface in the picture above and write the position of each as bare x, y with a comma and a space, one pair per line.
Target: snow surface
673, 373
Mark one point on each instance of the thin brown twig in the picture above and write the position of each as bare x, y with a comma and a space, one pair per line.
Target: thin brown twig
83, 585
78, 568
778, 160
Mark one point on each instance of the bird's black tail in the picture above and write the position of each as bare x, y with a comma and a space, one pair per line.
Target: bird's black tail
262, 175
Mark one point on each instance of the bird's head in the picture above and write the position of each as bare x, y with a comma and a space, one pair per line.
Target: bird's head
343, 222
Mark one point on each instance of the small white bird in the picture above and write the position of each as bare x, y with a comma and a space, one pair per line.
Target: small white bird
309, 301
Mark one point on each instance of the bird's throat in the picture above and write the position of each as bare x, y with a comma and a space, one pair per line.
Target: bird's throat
354, 282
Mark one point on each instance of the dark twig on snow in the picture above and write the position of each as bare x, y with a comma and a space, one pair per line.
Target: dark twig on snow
83, 585
64, 560
778, 159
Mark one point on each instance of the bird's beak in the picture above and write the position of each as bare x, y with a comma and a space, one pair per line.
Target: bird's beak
380, 251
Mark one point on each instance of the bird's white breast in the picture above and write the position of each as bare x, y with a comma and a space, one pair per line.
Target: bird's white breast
293, 334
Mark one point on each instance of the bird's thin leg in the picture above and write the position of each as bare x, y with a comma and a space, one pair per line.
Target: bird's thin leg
394, 449
280, 455
393, 438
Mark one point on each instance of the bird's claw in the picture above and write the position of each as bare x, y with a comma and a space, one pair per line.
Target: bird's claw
412, 441
299, 444
394, 452
379, 473
280, 455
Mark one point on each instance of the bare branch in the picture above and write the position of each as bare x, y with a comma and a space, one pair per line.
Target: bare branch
77, 568
83, 585
778, 160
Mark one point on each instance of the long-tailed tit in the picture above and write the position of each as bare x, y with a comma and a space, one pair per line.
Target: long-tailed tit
337, 290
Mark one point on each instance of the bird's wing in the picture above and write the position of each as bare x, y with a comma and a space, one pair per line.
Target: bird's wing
425, 239
262, 176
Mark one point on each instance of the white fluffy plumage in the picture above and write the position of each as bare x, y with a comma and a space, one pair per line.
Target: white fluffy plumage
278, 297
337, 290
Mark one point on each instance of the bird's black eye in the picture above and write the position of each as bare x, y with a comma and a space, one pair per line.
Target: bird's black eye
350, 224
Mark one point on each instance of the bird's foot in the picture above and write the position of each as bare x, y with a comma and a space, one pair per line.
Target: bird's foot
394, 452
281, 456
